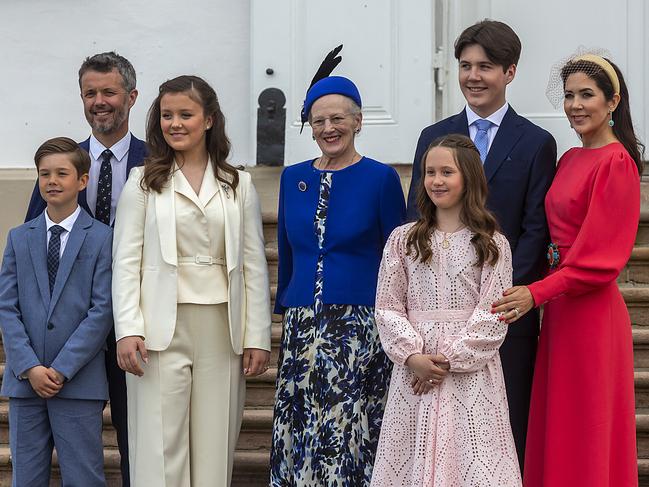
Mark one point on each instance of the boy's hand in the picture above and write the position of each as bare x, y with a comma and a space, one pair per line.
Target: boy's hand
255, 361
43, 381
429, 368
56, 376
127, 350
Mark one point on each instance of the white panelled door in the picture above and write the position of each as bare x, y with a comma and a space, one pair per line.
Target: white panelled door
388, 49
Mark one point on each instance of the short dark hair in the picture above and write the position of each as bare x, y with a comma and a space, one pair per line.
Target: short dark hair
499, 41
63, 145
105, 62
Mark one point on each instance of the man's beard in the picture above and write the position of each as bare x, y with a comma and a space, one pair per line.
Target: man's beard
119, 116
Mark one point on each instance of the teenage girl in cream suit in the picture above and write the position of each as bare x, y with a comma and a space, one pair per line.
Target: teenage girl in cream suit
190, 293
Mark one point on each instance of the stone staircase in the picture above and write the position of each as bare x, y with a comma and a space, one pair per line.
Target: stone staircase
252, 454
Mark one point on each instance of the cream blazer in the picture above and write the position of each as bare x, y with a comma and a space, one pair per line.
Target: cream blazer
145, 283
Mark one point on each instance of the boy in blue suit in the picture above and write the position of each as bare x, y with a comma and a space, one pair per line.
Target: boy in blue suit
519, 161
55, 315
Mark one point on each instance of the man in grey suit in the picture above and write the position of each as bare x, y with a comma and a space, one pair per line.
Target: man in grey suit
55, 315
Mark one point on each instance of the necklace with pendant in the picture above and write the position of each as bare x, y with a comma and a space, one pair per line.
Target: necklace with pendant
445, 243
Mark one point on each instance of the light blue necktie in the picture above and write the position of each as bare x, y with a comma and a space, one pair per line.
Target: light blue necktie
482, 137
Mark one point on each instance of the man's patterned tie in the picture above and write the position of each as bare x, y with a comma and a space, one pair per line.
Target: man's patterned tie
104, 188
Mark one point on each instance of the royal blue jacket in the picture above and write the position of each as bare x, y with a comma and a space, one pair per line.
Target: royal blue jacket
366, 203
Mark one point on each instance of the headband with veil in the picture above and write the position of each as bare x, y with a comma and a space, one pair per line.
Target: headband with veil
584, 60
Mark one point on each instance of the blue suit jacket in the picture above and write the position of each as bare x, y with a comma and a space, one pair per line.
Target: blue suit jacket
366, 203
136, 154
520, 167
67, 331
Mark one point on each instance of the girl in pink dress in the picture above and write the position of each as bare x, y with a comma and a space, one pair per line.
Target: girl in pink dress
446, 422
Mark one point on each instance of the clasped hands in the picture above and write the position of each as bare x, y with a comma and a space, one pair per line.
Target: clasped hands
46, 381
429, 371
131, 350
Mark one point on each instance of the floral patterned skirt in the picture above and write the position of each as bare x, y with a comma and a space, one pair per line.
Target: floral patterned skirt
332, 385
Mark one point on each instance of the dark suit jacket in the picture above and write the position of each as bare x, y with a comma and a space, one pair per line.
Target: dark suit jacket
520, 167
136, 154
66, 330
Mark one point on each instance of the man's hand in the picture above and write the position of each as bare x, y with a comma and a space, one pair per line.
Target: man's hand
255, 361
127, 354
44, 381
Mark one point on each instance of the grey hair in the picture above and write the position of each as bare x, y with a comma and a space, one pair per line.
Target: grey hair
105, 62
354, 109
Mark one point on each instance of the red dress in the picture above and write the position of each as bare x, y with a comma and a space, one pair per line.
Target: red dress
582, 416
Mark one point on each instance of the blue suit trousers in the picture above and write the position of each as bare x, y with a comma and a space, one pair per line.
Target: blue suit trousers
73, 426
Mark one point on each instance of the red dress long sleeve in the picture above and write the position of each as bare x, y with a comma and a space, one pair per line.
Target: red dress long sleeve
582, 416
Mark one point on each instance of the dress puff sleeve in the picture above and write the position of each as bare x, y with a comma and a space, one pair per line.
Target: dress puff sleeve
604, 242
399, 338
484, 333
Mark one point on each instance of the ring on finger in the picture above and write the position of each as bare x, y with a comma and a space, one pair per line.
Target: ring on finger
516, 312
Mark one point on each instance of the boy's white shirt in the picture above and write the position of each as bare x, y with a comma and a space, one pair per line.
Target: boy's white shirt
496, 118
67, 225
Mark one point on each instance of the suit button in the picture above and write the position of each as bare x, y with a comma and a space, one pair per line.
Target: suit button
50, 326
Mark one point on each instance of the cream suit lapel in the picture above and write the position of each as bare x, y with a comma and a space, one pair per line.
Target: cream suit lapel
232, 219
209, 186
182, 186
165, 213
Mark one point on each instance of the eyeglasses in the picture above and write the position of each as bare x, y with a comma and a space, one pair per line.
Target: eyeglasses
335, 120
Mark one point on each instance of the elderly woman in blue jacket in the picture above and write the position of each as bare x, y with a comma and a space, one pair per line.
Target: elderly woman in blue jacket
335, 214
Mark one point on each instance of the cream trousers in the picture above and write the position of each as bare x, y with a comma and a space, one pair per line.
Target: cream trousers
184, 414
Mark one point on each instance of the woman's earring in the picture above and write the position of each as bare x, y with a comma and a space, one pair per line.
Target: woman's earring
611, 122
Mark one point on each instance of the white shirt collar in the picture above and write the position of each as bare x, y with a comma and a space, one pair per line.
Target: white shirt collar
496, 117
119, 149
67, 223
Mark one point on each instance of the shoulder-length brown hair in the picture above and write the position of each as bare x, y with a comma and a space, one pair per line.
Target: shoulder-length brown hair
473, 214
159, 164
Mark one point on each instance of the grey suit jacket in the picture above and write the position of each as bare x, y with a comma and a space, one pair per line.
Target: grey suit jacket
68, 330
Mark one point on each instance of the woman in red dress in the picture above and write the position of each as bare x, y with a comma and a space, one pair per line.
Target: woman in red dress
582, 416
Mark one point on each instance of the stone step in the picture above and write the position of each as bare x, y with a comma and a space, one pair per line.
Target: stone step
641, 383
255, 426
636, 271
642, 432
111, 468
251, 469
637, 302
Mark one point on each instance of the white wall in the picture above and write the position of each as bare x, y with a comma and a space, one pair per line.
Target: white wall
551, 30
43, 42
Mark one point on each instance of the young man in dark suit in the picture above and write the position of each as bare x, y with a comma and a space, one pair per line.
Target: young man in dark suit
519, 161
107, 84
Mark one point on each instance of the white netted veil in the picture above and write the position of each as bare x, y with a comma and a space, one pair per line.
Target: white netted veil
554, 91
